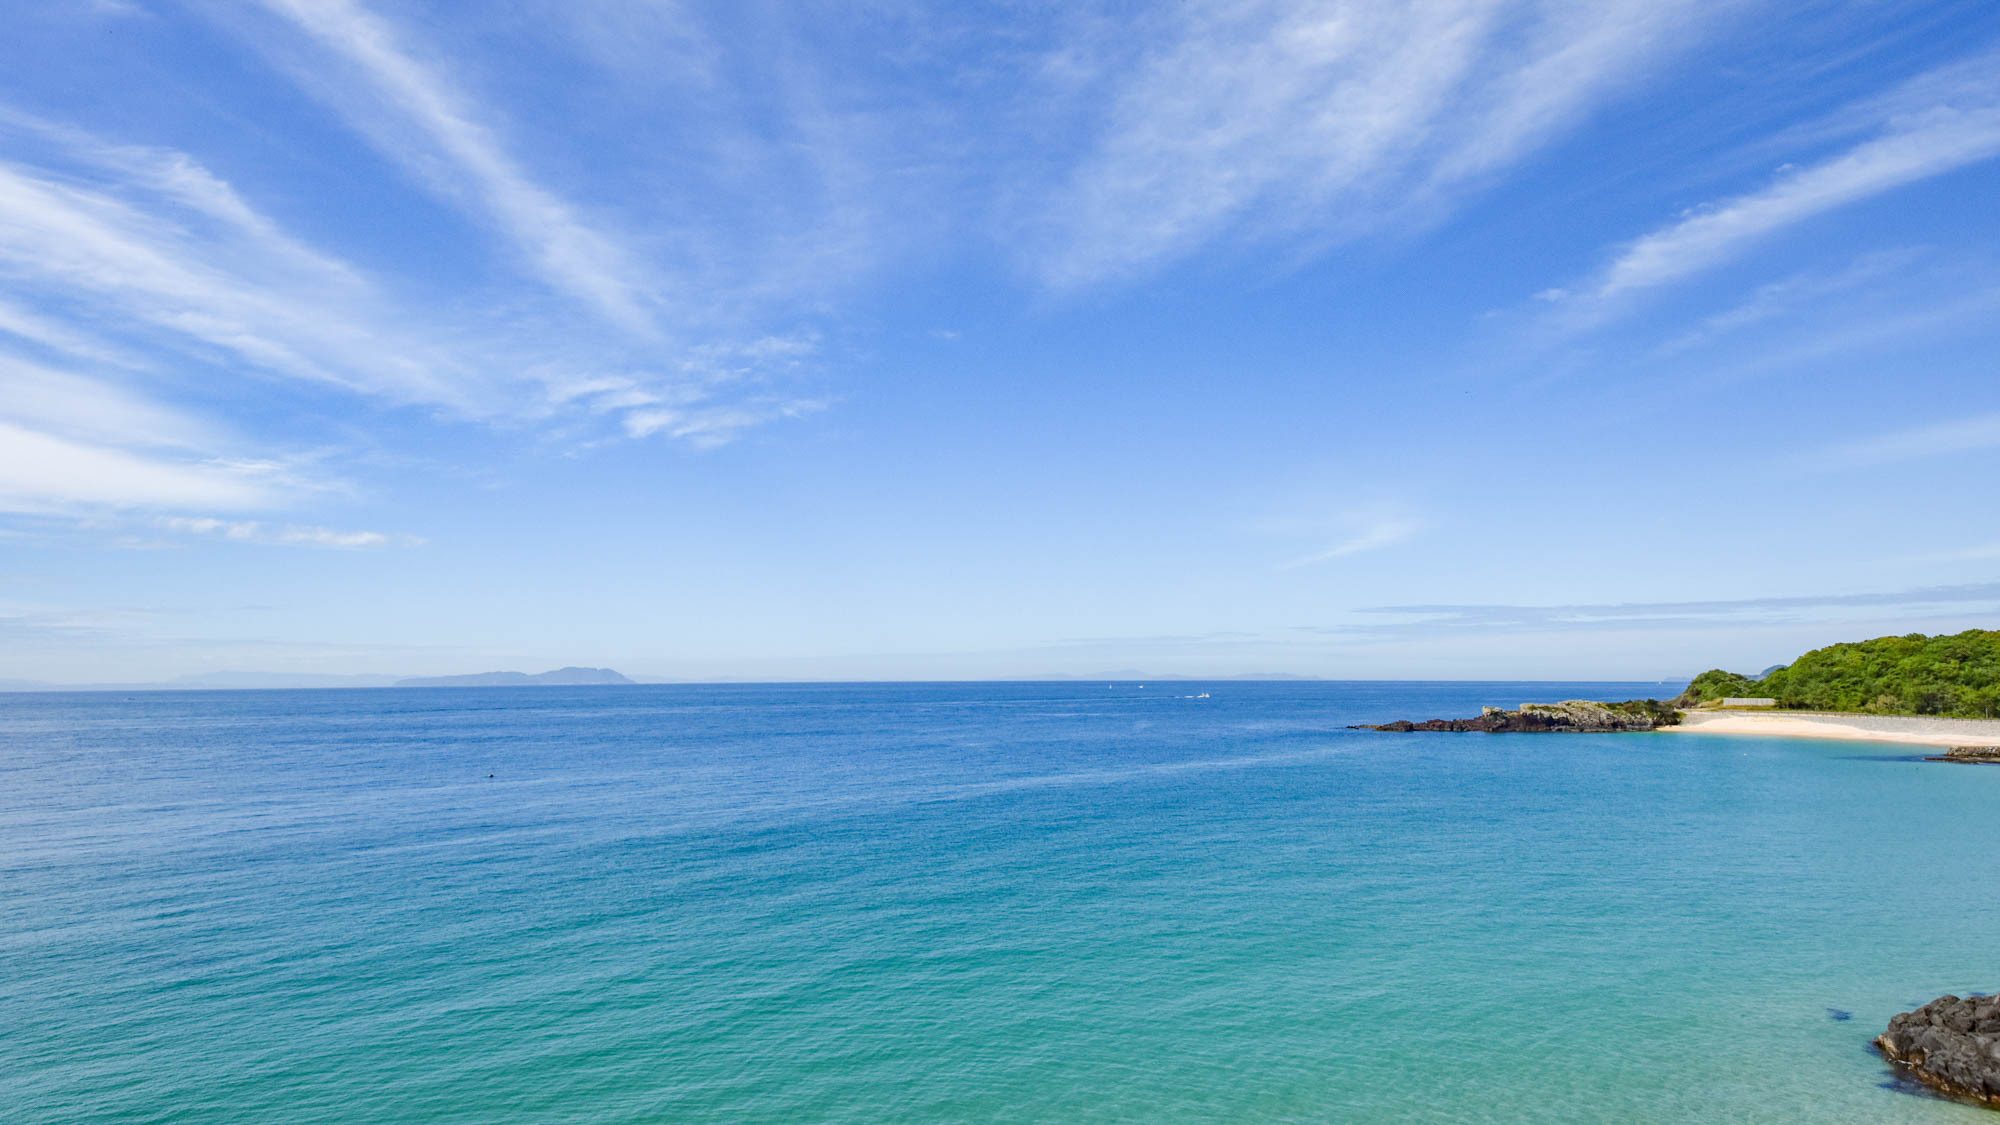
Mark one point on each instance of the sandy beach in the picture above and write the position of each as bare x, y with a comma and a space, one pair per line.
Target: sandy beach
1913, 730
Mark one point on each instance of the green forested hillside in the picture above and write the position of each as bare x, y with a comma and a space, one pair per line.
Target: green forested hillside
1957, 675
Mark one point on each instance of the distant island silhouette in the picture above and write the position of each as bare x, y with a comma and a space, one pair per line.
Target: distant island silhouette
560, 677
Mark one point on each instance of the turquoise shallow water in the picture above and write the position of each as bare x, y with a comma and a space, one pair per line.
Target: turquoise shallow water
961, 902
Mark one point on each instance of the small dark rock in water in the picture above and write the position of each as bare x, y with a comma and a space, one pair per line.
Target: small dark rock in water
1839, 1015
1951, 1044
1570, 715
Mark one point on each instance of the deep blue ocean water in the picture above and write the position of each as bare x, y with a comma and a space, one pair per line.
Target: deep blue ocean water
1019, 902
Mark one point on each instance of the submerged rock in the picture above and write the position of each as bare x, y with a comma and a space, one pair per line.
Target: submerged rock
1535, 718
1951, 1044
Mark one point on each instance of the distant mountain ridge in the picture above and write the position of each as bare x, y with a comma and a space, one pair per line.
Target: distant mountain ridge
560, 677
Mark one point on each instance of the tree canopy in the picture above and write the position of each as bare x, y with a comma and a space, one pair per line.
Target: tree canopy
1956, 675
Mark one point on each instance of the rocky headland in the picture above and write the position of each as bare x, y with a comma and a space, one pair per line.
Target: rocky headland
1951, 1044
1571, 715
1987, 754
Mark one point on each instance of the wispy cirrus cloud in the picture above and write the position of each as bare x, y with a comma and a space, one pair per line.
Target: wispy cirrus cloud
1937, 123
111, 249
122, 267
1372, 536
1264, 119
1976, 553
96, 409
711, 426
129, 274
142, 257
1429, 619
464, 157
44, 333
1959, 435
45, 473
1786, 296
69, 440
290, 535
19, 620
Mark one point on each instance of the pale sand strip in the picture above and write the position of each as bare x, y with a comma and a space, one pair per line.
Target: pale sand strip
1913, 730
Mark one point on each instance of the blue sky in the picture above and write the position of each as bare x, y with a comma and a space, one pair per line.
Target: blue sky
1475, 338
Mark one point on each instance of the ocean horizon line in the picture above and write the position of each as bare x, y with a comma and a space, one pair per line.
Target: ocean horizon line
32, 688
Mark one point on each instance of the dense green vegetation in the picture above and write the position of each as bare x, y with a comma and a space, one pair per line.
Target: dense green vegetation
1957, 675
1715, 685
1664, 714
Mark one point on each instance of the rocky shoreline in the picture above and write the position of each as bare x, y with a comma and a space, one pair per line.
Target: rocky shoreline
1951, 1044
1987, 755
1569, 716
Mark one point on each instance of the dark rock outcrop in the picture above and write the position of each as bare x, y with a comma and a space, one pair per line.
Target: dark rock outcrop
1951, 1044
1987, 754
1580, 715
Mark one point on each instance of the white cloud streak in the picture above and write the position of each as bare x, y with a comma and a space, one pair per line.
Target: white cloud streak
129, 268
124, 268
1963, 435
26, 325
295, 535
1786, 296
88, 408
1939, 123
41, 472
1387, 533
1435, 619
237, 288
1264, 119
569, 253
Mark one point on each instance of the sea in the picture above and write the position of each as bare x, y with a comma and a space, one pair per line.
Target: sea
1060, 902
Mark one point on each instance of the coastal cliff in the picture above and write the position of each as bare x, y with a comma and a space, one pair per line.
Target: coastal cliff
1951, 1044
1571, 715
